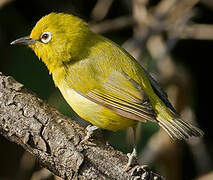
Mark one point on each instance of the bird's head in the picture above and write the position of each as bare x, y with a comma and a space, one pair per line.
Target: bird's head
57, 37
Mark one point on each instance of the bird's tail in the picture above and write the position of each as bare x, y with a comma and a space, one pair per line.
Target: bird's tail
176, 127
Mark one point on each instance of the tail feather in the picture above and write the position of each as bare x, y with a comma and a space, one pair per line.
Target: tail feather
177, 128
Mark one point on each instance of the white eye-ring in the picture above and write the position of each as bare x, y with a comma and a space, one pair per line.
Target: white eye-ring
46, 37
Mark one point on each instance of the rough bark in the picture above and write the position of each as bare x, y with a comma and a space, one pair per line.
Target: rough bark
54, 139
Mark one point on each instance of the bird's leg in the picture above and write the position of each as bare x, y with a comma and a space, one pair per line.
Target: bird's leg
131, 158
90, 130
133, 155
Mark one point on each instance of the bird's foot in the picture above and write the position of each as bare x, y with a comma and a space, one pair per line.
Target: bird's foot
143, 172
132, 158
90, 130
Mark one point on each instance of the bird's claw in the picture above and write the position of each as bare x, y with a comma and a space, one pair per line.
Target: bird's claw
90, 130
132, 157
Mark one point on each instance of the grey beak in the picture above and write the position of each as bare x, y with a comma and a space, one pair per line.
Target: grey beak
24, 40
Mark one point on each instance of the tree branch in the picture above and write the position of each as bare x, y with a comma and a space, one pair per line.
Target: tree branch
54, 139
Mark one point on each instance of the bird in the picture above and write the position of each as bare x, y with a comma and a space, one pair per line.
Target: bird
100, 80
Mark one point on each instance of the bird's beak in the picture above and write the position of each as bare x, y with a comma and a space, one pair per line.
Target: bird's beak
27, 40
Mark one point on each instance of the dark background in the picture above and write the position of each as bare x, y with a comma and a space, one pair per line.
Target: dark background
17, 18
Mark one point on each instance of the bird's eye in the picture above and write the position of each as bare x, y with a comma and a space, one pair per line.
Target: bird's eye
46, 37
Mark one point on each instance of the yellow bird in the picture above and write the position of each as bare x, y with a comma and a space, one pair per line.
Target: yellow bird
101, 81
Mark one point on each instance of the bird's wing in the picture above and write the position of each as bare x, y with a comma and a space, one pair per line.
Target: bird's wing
159, 91
124, 96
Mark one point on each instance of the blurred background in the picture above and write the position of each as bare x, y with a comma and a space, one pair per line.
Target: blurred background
172, 39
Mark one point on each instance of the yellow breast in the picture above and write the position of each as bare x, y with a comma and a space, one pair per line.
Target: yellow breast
93, 112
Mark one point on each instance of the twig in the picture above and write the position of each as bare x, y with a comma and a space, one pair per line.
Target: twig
4, 2
112, 25
100, 10
198, 31
208, 3
207, 176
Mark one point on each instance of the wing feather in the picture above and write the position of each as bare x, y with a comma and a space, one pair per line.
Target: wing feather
159, 91
130, 102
